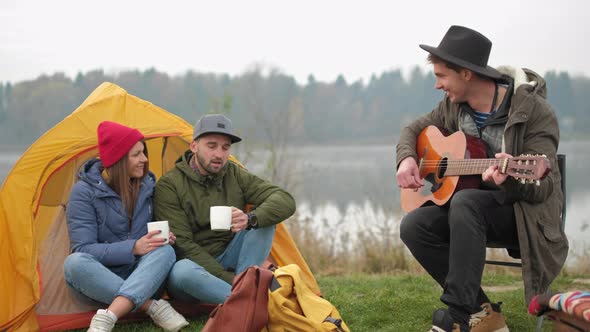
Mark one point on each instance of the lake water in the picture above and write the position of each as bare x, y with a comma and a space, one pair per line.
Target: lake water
342, 189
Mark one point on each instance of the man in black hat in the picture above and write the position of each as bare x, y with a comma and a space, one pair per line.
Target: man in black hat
204, 176
506, 109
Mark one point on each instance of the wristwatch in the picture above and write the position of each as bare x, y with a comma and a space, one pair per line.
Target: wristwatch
252, 221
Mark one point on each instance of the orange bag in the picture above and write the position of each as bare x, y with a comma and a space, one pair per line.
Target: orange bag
246, 309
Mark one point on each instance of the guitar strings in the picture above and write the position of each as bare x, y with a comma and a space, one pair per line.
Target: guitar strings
461, 161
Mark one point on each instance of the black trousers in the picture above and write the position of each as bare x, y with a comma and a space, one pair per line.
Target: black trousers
450, 243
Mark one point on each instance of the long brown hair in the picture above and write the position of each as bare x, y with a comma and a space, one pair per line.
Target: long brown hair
128, 188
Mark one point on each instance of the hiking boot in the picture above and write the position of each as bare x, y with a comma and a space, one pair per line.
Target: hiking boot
166, 317
489, 319
102, 322
443, 322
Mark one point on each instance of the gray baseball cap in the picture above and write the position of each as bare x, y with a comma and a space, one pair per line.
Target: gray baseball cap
215, 124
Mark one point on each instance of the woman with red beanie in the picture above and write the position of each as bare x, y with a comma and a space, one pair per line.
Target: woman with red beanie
114, 260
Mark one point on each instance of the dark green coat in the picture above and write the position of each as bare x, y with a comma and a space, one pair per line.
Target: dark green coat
183, 197
532, 128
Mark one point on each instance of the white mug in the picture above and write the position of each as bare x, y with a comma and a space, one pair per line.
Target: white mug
160, 225
220, 218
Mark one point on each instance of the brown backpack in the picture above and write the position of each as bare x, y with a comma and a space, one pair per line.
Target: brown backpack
246, 309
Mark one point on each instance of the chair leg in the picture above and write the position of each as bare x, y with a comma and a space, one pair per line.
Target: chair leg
540, 323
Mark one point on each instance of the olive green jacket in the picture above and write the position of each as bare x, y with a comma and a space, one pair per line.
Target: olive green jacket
183, 197
531, 128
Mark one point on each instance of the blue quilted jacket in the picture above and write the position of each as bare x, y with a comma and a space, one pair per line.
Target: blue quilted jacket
98, 222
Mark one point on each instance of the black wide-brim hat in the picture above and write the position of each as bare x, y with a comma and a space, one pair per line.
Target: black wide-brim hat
466, 48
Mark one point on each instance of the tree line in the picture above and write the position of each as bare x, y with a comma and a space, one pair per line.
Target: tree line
266, 103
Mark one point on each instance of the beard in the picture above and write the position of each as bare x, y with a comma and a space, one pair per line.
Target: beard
208, 166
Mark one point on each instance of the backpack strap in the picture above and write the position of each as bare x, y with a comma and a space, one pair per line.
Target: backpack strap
335, 321
266, 277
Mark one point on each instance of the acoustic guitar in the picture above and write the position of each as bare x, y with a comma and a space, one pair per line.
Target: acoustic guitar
455, 162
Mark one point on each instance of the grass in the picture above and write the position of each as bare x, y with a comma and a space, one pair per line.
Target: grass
405, 302
377, 286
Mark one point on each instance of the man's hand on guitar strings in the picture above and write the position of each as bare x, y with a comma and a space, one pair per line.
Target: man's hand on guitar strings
493, 174
408, 175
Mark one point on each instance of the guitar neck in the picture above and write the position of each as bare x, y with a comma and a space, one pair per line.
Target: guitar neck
472, 166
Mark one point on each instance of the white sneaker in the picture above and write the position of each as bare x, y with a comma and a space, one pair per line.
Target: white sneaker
166, 317
102, 322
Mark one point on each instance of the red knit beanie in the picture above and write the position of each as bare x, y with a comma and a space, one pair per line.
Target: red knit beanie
114, 141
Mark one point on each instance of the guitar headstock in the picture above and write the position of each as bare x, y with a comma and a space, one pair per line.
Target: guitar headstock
529, 168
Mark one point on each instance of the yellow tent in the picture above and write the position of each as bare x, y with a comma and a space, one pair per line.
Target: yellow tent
33, 199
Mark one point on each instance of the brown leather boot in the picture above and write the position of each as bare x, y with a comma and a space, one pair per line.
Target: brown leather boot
489, 319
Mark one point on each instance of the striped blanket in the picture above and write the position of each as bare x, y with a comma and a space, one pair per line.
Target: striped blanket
574, 304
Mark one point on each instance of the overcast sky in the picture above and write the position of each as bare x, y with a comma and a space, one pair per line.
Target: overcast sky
299, 37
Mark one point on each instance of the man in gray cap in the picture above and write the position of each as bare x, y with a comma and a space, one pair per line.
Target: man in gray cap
506, 109
208, 260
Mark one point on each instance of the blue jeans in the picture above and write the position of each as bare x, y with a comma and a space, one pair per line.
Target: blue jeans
137, 282
190, 282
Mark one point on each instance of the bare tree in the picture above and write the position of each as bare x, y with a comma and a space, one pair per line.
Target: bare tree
276, 118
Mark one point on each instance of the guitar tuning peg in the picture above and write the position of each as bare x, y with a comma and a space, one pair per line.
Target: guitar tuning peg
538, 182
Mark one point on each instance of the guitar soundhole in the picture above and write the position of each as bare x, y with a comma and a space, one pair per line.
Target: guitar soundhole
431, 181
442, 168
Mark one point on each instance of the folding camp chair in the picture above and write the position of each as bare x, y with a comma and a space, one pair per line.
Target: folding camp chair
514, 250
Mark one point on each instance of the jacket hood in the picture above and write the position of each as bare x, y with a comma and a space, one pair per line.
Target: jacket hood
91, 173
527, 79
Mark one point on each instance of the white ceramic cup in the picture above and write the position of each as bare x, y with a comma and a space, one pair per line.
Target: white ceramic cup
160, 225
220, 217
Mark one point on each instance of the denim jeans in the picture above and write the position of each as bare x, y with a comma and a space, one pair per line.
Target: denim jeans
190, 282
450, 243
137, 282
